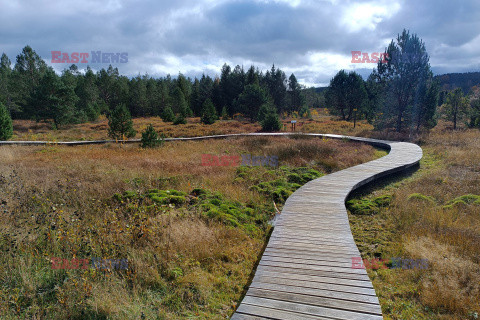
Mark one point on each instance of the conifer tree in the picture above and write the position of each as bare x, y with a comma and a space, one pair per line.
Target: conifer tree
120, 123
167, 114
150, 138
209, 114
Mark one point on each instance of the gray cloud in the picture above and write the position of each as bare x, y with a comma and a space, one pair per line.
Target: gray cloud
312, 39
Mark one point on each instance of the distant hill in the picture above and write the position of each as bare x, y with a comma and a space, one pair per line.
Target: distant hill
450, 81
316, 89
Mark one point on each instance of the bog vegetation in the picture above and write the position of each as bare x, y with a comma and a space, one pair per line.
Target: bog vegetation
192, 234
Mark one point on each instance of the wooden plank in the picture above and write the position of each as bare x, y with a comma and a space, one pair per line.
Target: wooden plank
309, 309
317, 285
295, 276
270, 313
310, 272
319, 301
351, 296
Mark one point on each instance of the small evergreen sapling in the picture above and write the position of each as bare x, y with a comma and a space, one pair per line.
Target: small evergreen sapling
150, 138
209, 114
120, 123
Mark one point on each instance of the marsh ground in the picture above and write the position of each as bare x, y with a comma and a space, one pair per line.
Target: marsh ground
191, 250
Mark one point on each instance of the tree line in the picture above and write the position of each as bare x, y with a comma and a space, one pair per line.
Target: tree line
32, 90
401, 92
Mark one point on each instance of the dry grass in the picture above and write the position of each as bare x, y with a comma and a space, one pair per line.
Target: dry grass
321, 122
31, 130
424, 222
57, 202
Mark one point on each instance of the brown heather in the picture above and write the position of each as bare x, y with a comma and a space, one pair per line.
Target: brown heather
181, 266
422, 223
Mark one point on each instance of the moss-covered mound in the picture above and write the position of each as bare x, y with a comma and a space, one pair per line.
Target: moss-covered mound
277, 184
367, 206
211, 206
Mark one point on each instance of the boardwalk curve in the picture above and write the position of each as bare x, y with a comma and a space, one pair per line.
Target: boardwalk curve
306, 269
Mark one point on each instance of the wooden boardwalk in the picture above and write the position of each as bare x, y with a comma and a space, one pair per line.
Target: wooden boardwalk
306, 270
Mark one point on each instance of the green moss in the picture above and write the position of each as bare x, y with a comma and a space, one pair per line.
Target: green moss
215, 202
362, 206
229, 219
129, 194
421, 197
198, 192
177, 200
466, 199
175, 193
213, 213
281, 194
210, 205
383, 201
161, 200
294, 178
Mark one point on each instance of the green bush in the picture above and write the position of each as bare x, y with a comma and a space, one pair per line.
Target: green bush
362, 206
466, 199
150, 138
383, 201
180, 119
271, 122
167, 115
209, 114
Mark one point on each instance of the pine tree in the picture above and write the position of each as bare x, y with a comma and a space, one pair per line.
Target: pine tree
209, 114
224, 113
6, 128
120, 123
167, 114
456, 106
295, 92
251, 99
271, 122
264, 110
53, 99
28, 70
150, 138
474, 114
402, 77
180, 119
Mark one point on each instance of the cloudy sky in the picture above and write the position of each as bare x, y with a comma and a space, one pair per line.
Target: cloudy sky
311, 38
